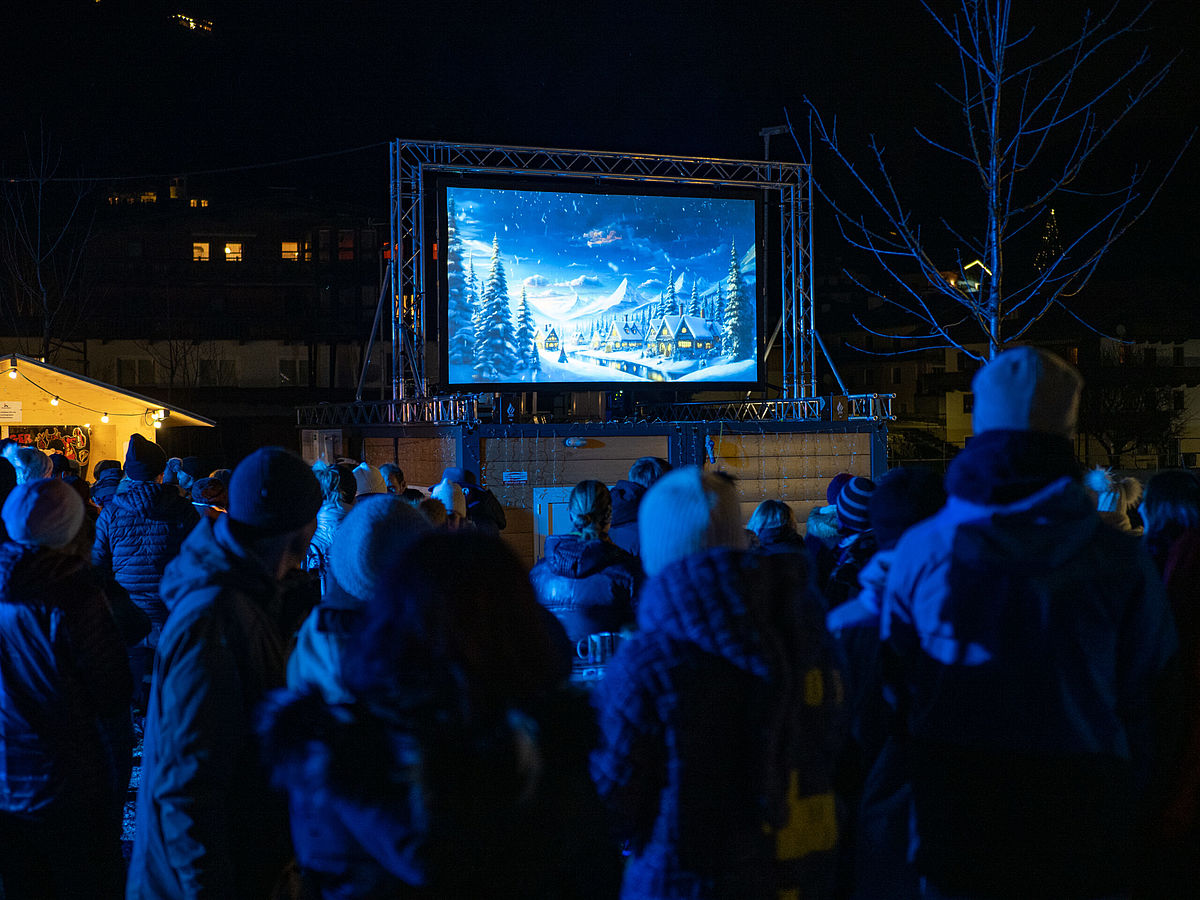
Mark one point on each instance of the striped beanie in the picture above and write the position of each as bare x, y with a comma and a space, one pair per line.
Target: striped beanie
853, 504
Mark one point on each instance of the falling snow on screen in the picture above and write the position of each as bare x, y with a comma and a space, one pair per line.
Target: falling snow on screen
569, 287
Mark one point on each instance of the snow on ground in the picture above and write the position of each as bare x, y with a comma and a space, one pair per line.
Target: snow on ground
739, 370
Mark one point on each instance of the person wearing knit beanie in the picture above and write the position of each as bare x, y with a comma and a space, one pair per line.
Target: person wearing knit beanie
67, 730
451, 495
144, 460
686, 511
43, 513
273, 491
852, 504
374, 532
369, 480
232, 591
1027, 389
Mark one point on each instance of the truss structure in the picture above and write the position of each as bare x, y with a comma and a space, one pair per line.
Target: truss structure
787, 188
872, 407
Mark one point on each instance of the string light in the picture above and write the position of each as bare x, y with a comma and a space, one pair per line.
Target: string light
54, 401
104, 418
12, 373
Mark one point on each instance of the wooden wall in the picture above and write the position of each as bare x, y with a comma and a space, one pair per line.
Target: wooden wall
422, 459
548, 462
792, 467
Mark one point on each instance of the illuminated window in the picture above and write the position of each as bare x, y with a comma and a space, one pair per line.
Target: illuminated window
194, 202
233, 251
148, 197
178, 187
345, 244
200, 251
290, 250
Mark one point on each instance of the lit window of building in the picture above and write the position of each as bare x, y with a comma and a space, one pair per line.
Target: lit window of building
290, 250
200, 251
194, 203
233, 251
148, 197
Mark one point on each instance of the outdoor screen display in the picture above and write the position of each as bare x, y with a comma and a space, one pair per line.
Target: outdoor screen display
573, 288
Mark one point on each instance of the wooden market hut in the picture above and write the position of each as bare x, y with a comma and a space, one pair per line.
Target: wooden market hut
85, 419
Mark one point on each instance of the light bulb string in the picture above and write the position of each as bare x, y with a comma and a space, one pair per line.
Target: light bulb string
61, 399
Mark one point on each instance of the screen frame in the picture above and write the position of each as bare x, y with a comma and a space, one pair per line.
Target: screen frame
594, 184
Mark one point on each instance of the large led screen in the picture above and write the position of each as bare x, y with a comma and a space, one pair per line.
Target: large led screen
551, 287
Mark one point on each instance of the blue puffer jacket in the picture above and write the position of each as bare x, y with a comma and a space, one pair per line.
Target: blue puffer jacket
721, 721
137, 534
588, 585
1032, 639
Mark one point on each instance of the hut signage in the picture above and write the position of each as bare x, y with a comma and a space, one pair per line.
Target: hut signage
72, 441
10, 411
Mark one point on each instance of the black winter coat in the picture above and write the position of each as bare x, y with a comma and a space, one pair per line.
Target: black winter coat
589, 585
65, 685
626, 498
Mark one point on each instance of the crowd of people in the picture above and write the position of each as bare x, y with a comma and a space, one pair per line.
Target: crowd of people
982, 686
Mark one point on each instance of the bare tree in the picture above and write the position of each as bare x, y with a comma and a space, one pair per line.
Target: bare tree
1033, 120
46, 228
1127, 404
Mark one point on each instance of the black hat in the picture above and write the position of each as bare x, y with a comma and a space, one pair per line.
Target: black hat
144, 460
273, 491
901, 499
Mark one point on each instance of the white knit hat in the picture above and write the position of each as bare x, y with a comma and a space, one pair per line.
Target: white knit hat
372, 535
1027, 389
684, 512
43, 513
369, 480
452, 497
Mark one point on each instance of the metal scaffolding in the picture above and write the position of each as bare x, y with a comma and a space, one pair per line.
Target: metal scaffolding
786, 188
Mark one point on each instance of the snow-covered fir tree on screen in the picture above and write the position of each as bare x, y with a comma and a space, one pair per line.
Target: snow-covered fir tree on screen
461, 341
588, 287
739, 327
670, 303
694, 308
495, 353
527, 355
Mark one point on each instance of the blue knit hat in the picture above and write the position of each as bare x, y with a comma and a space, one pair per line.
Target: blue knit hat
144, 460
273, 491
853, 502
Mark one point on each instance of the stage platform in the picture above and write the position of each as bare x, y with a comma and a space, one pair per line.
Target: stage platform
771, 450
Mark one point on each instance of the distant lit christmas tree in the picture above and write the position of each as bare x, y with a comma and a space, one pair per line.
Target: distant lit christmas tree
1050, 247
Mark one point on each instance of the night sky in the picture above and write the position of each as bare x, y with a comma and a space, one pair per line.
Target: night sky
126, 92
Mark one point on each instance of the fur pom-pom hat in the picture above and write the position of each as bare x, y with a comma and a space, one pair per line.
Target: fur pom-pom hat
1114, 496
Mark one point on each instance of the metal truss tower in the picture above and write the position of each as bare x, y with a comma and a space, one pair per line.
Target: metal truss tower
786, 188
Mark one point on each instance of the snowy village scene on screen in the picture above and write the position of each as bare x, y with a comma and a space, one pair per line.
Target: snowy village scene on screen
568, 287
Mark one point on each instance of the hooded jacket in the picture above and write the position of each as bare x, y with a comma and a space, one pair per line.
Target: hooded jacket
1031, 640
589, 586
207, 822
137, 534
626, 498
721, 720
